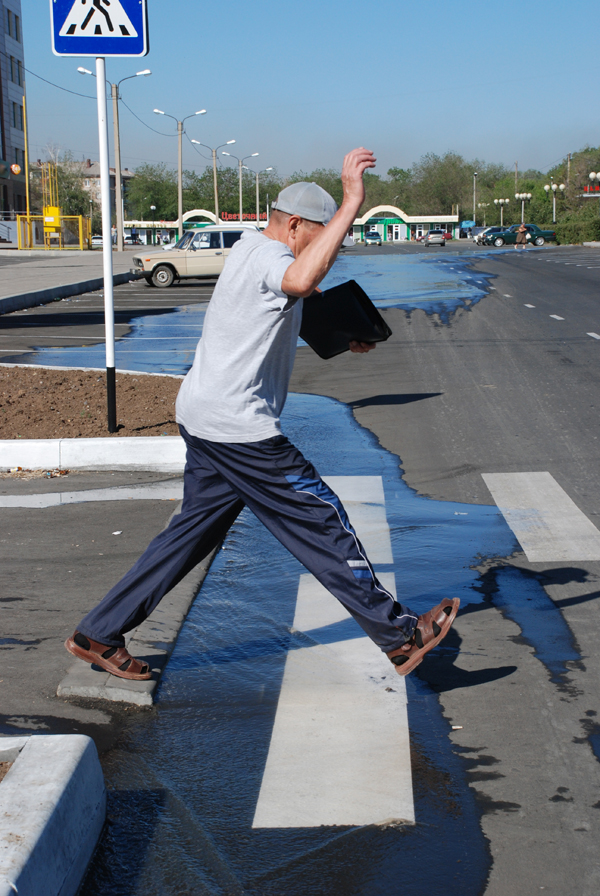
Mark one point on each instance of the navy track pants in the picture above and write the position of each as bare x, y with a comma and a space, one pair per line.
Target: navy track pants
288, 496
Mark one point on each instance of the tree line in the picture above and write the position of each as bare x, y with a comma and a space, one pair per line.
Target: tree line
436, 184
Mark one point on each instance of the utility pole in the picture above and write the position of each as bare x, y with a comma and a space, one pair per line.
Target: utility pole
568, 168
180, 178
516, 175
114, 89
216, 189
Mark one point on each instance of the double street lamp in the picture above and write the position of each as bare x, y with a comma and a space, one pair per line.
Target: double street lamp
524, 197
594, 175
180, 161
501, 203
554, 187
257, 173
240, 165
214, 161
114, 91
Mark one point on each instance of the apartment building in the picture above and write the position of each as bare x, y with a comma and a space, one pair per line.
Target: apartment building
12, 122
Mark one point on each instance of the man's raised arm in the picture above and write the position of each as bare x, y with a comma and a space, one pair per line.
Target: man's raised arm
314, 259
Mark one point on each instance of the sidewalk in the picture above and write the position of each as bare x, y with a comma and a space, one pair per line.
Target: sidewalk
35, 278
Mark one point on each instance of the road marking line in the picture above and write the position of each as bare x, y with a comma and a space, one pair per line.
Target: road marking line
556, 317
593, 335
547, 523
528, 306
326, 763
506, 296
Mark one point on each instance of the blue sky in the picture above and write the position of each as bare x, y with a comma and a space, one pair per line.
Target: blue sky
302, 83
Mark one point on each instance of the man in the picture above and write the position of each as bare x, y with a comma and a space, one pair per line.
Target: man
228, 411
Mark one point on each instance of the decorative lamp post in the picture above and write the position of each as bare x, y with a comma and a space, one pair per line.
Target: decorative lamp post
501, 203
214, 161
554, 187
524, 197
114, 90
240, 165
474, 195
257, 173
180, 161
595, 175
483, 205
153, 209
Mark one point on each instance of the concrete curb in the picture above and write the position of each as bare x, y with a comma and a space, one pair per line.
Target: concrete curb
52, 810
153, 642
45, 296
594, 244
162, 454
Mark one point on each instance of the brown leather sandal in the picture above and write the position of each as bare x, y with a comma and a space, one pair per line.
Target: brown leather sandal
116, 660
431, 628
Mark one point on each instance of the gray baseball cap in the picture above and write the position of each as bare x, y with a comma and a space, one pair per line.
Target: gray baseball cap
309, 201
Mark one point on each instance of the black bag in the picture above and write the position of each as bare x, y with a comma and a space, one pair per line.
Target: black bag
333, 318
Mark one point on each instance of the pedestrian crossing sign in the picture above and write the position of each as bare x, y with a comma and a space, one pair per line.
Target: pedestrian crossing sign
99, 27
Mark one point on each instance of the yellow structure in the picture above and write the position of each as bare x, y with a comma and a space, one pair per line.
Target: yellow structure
52, 229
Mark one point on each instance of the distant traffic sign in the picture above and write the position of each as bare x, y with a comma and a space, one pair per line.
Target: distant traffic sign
99, 27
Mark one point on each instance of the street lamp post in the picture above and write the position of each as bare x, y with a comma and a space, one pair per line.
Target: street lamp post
240, 166
180, 161
153, 209
524, 197
483, 205
214, 161
554, 187
114, 90
257, 173
595, 175
501, 203
474, 195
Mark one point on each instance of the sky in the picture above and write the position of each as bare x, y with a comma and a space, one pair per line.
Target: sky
303, 82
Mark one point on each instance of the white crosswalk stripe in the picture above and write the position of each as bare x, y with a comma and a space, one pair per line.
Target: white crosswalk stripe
547, 523
339, 751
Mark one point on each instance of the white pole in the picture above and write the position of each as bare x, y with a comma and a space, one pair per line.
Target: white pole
118, 184
180, 178
109, 313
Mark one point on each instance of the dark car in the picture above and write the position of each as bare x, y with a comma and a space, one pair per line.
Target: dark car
509, 236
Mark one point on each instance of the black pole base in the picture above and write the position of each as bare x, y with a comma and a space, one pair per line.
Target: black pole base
111, 399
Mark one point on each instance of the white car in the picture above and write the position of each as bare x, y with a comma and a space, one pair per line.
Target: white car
199, 253
97, 242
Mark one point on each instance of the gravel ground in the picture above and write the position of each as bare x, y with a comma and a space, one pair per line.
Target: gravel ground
56, 404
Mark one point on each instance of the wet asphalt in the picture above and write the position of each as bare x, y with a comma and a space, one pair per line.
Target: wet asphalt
489, 386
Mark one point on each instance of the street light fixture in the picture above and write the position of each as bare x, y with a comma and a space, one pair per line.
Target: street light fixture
114, 91
524, 197
257, 173
501, 203
483, 205
241, 165
595, 175
179, 161
554, 187
214, 161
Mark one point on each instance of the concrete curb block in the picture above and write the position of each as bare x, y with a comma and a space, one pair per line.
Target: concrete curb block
45, 296
162, 454
52, 810
152, 642
594, 244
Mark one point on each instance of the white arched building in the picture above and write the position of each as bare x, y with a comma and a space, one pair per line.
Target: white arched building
394, 225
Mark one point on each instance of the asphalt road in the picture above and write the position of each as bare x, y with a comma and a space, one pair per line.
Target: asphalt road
508, 385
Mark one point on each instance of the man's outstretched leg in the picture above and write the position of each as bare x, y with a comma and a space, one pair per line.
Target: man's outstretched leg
208, 510
288, 496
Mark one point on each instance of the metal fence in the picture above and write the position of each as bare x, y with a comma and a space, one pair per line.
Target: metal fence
74, 232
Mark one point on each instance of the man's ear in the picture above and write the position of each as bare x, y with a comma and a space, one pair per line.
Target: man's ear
293, 225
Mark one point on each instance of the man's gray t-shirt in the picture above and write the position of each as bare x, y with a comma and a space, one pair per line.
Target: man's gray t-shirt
238, 383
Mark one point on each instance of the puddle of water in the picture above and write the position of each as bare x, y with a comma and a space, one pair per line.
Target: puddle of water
541, 622
196, 763
166, 343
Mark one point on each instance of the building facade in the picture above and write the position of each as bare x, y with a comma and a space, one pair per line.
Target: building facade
394, 225
12, 114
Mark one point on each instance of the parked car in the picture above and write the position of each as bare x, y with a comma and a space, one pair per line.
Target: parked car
434, 238
97, 241
509, 236
479, 237
199, 253
372, 238
448, 235
132, 241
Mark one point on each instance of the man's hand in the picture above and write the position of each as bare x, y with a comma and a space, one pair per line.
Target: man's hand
355, 165
361, 347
